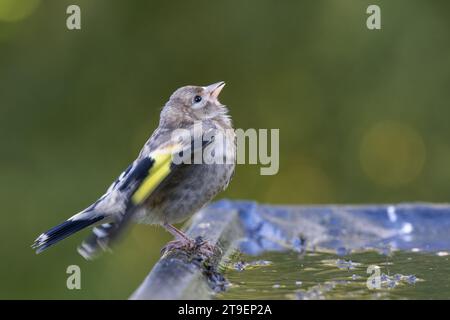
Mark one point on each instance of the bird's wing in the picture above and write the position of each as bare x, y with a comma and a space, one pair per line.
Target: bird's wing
155, 167
148, 173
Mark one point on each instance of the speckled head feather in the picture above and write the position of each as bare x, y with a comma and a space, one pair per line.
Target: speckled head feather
194, 103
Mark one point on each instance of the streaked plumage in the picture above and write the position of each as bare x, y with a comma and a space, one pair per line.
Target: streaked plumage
155, 189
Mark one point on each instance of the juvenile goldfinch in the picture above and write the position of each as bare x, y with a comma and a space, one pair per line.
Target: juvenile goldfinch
165, 184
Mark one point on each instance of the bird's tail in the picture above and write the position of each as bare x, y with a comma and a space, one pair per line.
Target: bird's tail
100, 240
62, 231
104, 235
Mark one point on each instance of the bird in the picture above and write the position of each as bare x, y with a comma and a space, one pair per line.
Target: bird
165, 184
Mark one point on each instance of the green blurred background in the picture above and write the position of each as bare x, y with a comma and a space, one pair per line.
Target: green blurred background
363, 115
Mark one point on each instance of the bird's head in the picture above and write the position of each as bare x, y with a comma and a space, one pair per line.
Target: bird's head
195, 103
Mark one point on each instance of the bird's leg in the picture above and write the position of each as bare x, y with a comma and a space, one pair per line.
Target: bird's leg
178, 234
183, 242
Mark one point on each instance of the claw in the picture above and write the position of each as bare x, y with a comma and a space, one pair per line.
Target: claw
198, 245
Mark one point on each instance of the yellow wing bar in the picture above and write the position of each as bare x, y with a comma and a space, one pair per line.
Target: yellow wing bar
157, 173
160, 169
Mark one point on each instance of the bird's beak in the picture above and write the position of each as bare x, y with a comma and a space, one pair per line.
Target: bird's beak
214, 89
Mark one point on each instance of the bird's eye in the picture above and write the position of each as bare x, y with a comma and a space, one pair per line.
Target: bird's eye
197, 99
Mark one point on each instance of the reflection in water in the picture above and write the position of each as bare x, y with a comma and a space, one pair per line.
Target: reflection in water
323, 275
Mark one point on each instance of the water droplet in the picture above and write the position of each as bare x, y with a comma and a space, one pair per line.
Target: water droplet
391, 214
411, 279
406, 228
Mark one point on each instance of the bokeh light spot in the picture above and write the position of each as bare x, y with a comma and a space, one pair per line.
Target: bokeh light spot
16, 10
392, 154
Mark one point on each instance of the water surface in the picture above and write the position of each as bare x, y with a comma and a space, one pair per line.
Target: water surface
327, 275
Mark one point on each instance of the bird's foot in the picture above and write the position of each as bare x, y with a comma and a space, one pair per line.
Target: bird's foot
178, 244
197, 245
184, 243
205, 247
